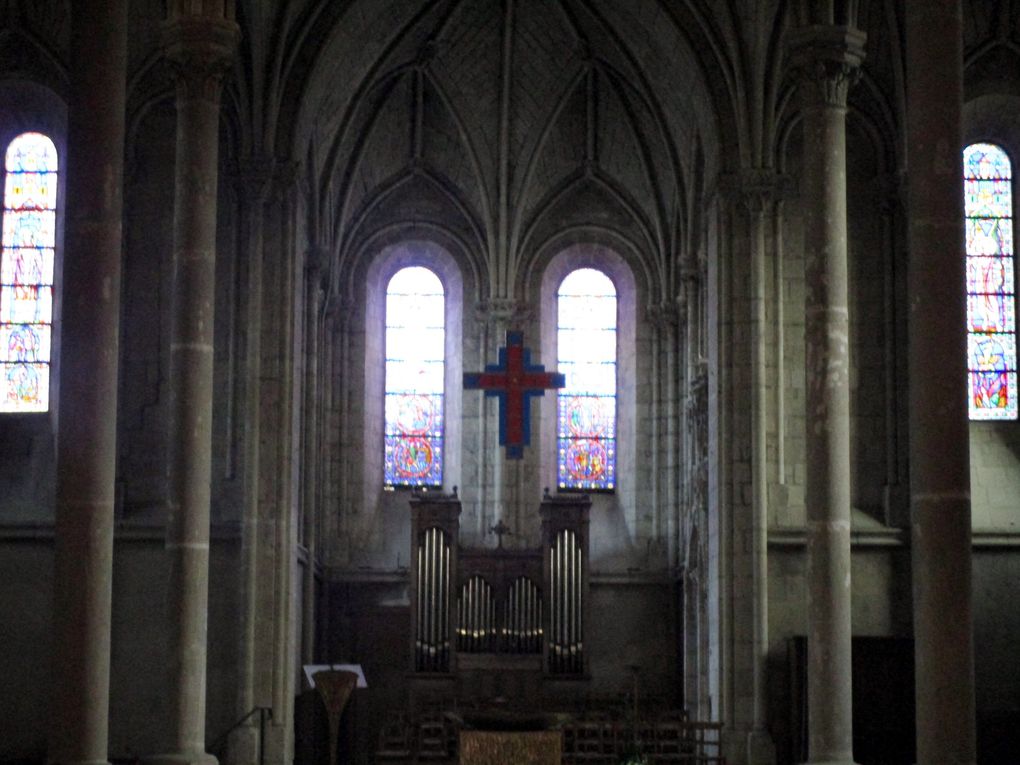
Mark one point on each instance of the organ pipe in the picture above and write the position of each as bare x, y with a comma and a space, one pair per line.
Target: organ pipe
566, 577
432, 641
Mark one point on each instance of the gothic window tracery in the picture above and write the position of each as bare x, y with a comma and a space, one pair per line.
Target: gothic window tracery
415, 371
26, 273
991, 299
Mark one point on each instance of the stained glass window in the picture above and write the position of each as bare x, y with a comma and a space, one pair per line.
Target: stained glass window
415, 345
586, 407
26, 273
991, 298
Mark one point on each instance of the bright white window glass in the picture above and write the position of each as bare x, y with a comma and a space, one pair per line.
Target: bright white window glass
991, 284
586, 406
415, 370
26, 273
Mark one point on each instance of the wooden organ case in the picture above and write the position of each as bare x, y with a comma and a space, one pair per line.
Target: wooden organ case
491, 611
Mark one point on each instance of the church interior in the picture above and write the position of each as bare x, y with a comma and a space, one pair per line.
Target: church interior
632, 377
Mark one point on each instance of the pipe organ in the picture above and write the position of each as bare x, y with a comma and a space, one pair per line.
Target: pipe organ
566, 626
522, 617
476, 617
432, 645
498, 601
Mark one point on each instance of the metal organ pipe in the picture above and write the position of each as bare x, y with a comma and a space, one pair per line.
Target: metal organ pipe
432, 612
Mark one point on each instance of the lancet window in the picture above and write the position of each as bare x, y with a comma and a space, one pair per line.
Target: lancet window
26, 273
586, 408
415, 362
991, 283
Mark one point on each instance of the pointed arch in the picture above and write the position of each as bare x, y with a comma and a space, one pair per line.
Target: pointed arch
26, 273
991, 283
415, 345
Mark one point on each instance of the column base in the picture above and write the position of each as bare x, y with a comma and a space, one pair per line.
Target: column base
848, 761
58, 761
181, 758
761, 750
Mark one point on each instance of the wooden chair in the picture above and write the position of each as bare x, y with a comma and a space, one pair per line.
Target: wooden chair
395, 740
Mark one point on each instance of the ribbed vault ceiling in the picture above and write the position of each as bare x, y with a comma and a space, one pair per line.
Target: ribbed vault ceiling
503, 124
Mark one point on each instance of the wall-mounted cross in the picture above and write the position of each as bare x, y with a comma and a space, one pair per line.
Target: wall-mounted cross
515, 380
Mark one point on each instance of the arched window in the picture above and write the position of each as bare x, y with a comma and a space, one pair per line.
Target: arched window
586, 407
26, 273
415, 360
991, 300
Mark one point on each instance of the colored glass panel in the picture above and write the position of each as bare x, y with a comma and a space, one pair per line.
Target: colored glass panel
991, 313
988, 199
415, 370
24, 342
991, 352
993, 396
26, 273
586, 406
989, 236
991, 299
993, 275
24, 387
985, 160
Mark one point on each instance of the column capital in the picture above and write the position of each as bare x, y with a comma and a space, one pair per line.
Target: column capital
200, 50
503, 310
692, 271
826, 61
664, 315
755, 189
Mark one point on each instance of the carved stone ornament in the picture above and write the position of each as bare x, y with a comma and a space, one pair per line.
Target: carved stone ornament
200, 51
755, 189
664, 315
826, 61
503, 310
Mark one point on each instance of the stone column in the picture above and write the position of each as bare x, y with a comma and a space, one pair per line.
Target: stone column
759, 191
251, 187
827, 59
939, 449
86, 436
200, 46
314, 298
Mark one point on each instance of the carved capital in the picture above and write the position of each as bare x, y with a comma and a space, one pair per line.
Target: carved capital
755, 189
201, 51
826, 61
503, 310
664, 315
692, 272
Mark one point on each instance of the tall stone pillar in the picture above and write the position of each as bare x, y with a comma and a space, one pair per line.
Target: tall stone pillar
251, 186
86, 438
759, 188
200, 46
939, 453
827, 59
314, 299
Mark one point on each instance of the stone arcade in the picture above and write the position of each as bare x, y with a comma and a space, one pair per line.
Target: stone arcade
252, 247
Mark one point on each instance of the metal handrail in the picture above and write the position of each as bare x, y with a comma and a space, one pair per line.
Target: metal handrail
264, 713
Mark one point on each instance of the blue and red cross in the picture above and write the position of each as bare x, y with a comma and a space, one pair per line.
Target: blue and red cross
514, 380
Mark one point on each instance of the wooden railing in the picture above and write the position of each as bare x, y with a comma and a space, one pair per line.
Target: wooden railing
591, 739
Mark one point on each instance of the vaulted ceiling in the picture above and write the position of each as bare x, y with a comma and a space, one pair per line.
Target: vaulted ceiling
504, 120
